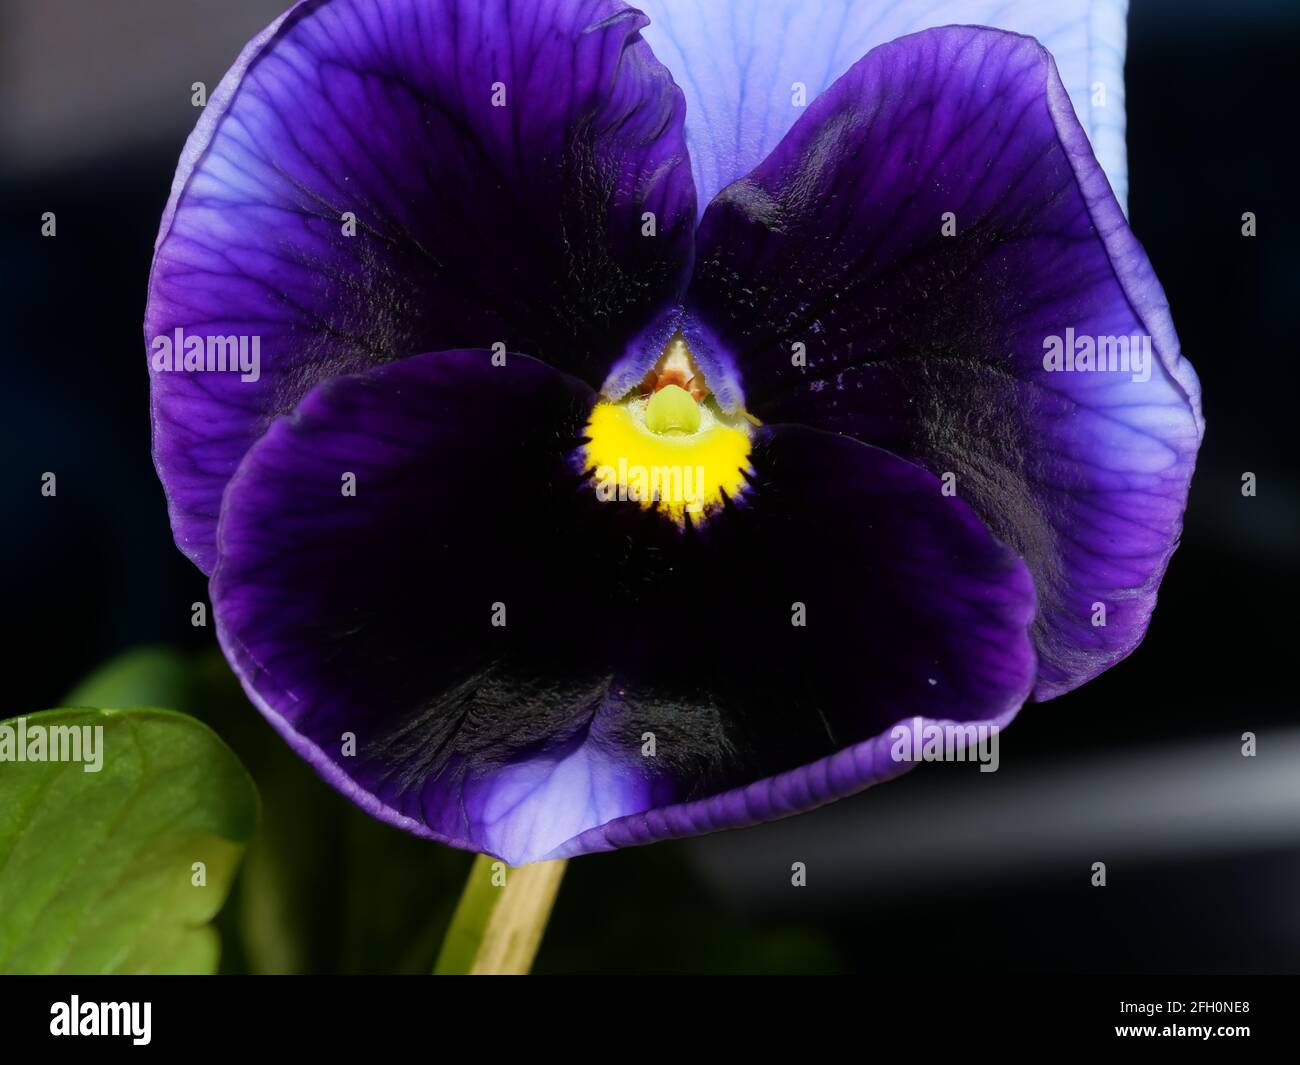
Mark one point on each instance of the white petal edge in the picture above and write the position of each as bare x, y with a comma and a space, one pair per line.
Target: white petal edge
738, 62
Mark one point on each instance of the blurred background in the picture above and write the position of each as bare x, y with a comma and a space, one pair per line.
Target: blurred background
946, 868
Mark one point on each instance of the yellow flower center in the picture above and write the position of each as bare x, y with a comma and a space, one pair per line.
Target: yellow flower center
669, 447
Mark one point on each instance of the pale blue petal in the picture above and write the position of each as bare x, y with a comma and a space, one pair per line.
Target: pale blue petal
737, 61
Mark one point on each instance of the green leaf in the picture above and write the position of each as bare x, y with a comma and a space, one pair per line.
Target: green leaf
97, 869
144, 676
323, 887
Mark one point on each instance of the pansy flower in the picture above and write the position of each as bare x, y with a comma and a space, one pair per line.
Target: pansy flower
587, 451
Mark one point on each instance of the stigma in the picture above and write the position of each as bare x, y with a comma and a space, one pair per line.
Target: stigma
667, 445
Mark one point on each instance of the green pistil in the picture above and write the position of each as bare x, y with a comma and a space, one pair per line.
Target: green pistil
672, 409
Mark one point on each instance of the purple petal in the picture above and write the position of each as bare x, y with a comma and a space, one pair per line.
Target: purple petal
933, 345
475, 224
739, 63
372, 616
915, 615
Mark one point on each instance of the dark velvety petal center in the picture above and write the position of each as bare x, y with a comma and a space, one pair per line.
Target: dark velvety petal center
898, 270
377, 179
528, 669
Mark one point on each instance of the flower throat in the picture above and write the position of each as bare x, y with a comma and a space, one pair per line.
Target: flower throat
667, 445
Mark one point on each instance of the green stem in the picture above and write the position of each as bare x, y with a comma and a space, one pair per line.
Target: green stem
499, 921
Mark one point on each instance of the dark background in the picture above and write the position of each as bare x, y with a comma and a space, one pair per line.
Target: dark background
1141, 768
